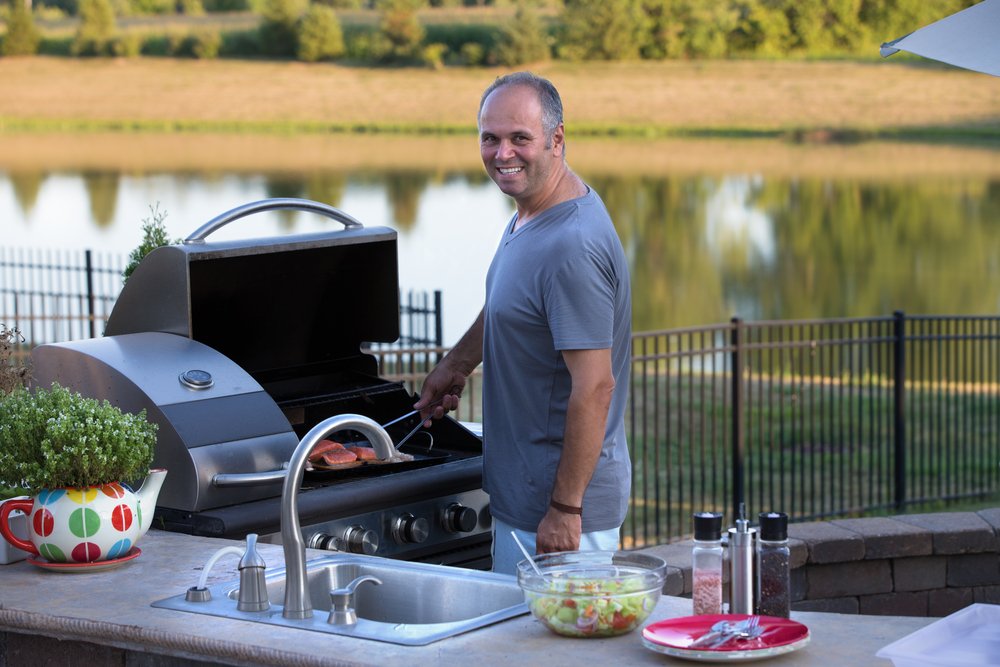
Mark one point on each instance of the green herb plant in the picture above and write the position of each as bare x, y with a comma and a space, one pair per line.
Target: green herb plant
53, 438
154, 235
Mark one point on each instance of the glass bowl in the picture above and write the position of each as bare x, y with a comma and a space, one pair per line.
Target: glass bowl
592, 593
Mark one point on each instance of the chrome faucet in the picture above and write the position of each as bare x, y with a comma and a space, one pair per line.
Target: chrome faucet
297, 602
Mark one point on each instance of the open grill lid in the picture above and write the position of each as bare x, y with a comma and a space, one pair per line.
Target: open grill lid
279, 307
225, 345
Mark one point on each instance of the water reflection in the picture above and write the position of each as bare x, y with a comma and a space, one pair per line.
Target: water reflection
703, 246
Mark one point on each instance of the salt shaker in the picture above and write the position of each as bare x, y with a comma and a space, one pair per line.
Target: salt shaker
773, 577
706, 563
741, 563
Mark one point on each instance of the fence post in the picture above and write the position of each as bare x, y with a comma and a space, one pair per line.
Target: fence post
91, 311
736, 360
899, 408
438, 324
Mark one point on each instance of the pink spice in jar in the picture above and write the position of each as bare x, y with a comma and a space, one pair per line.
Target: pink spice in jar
707, 592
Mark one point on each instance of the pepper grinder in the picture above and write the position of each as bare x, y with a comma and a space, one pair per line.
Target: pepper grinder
741, 556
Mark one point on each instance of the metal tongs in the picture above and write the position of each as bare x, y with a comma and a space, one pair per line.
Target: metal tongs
414, 431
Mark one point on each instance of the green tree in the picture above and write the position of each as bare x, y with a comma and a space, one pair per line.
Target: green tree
825, 26
320, 35
762, 28
278, 30
97, 30
603, 29
400, 29
22, 36
524, 38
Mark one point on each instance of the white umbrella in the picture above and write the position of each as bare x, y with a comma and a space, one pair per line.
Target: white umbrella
969, 39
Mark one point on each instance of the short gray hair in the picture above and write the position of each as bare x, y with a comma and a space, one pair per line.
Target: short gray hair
548, 96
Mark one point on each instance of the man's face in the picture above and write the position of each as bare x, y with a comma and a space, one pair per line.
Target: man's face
512, 142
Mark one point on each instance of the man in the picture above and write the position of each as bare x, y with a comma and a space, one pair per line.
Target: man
553, 338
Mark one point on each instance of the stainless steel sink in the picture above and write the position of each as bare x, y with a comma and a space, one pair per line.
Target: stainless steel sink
415, 604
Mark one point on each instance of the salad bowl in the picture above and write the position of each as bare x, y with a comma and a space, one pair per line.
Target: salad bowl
592, 593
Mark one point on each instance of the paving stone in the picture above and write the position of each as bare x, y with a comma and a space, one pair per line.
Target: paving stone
956, 532
986, 594
894, 604
844, 579
833, 605
798, 553
946, 601
974, 570
919, 574
828, 543
992, 517
887, 538
800, 584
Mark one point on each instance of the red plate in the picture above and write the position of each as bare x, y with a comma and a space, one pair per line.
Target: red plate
675, 636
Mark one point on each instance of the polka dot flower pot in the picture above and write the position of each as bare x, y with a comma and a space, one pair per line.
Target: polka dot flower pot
84, 525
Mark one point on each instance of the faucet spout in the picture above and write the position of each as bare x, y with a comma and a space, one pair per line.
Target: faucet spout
297, 602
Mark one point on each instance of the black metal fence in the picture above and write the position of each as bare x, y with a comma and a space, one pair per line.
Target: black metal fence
57, 295
817, 418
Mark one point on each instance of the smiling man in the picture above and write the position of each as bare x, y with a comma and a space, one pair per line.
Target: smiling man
553, 338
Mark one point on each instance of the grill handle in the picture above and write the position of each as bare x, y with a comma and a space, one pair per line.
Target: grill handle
250, 478
275, 204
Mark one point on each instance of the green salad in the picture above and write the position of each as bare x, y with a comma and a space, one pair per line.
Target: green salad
593, 608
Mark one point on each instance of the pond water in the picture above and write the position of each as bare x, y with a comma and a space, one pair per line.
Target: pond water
713, 229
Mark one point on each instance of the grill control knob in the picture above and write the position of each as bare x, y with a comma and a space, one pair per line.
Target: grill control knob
460, 519
360, 540
409, 529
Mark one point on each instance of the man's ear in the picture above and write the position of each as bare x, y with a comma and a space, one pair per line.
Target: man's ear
559, 141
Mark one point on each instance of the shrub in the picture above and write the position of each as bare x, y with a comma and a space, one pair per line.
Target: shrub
154, 235
97, 29
57, 438
200, 44
226, 5
603, 29
240, 43
125, 46
524, 39
192, 7
433, 55
320, 36
278, 31
150, 6
472, 54
400, 30
22, 36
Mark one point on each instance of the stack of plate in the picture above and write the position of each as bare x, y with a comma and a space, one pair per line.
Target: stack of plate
675, 636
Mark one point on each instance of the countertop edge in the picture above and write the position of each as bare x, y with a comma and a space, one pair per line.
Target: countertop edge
138, 638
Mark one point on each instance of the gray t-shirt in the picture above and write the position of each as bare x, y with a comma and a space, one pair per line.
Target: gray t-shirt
560, 282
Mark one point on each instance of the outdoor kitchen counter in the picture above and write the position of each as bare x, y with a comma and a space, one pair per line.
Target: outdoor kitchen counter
112, 608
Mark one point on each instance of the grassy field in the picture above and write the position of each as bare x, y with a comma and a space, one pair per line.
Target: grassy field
815, 100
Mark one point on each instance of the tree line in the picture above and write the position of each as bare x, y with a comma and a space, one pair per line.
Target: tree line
401, 32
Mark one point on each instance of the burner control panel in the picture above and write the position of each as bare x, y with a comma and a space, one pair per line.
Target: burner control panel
427, 525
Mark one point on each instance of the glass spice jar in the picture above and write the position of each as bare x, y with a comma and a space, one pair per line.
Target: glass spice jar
773, 575
706, 563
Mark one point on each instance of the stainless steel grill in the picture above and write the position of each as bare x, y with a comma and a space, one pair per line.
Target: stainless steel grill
236, 349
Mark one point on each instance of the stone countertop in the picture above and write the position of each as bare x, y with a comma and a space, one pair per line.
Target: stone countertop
113, 608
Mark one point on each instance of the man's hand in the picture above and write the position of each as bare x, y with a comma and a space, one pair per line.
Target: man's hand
441, 392
558, 532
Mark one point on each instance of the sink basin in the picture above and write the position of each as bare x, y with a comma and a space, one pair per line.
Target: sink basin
416, 603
